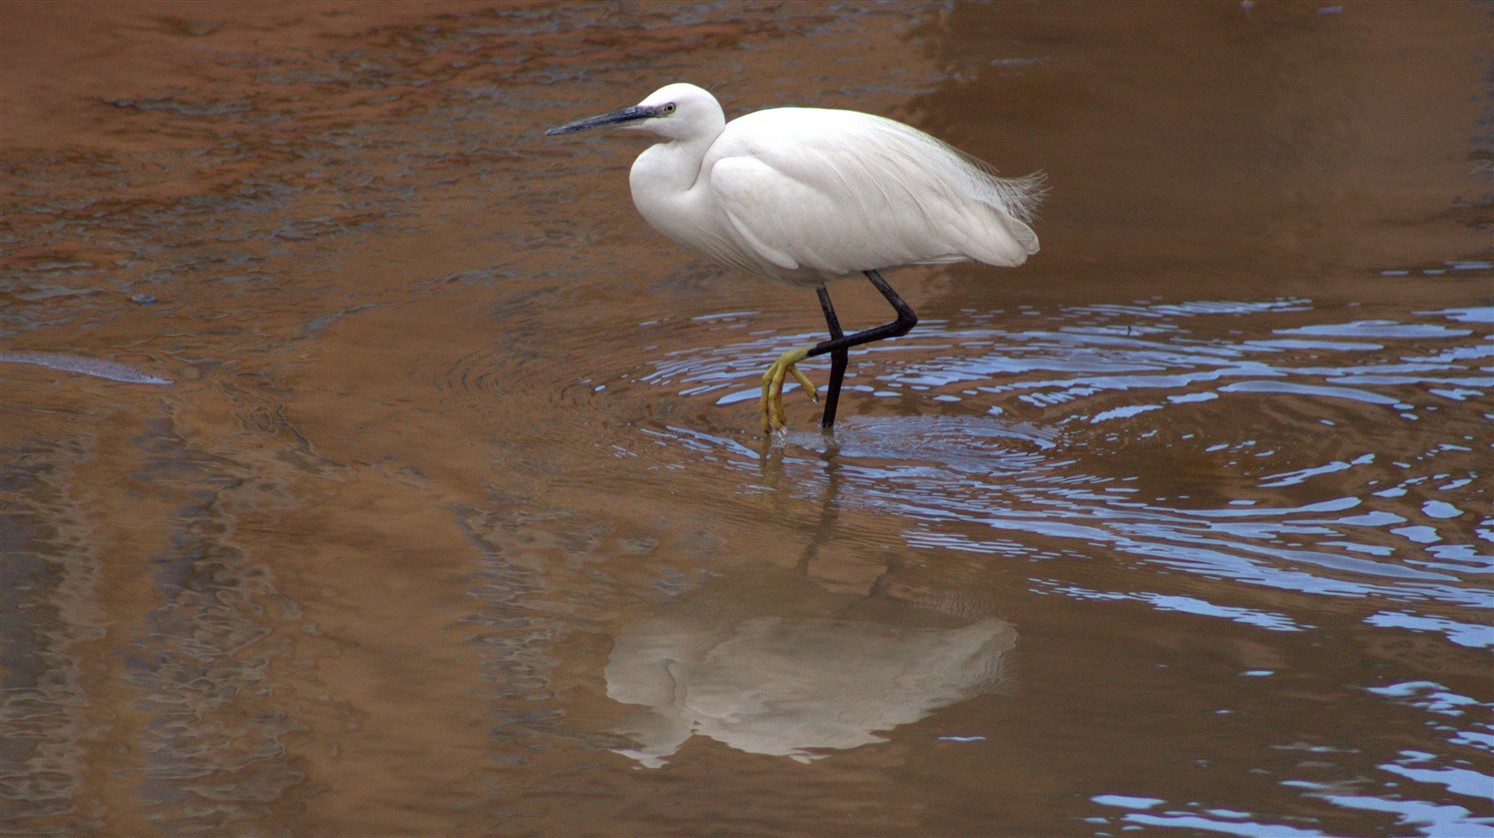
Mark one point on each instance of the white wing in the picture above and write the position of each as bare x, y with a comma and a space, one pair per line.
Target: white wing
836, 192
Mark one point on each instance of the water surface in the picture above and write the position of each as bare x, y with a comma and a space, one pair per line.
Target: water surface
367, 465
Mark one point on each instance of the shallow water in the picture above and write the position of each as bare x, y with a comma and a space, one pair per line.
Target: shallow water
454, 516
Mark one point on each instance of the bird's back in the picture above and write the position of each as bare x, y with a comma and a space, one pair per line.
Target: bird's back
807, 194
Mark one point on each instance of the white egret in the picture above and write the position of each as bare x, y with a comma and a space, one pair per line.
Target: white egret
807, 195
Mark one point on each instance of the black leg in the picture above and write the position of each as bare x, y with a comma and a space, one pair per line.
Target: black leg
904, 323
838, 360
839, 343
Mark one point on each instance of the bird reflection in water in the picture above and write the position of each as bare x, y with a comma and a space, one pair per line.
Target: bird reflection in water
767, 661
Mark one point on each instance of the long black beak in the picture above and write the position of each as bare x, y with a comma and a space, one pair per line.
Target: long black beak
632, 114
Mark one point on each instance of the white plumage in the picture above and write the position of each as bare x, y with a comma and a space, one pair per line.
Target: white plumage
809, 194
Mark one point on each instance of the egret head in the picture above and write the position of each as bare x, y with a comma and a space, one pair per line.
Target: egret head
677, 111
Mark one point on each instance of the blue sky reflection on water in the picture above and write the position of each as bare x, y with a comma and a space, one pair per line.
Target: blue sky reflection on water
1375, 513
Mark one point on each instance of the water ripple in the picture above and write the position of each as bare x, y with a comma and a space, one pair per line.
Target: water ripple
1043, 442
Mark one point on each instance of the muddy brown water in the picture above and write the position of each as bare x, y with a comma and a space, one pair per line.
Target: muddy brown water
367, 466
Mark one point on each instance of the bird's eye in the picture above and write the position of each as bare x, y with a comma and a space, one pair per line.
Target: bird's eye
669, 108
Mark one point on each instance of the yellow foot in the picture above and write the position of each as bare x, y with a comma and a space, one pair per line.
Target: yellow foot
772, 402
